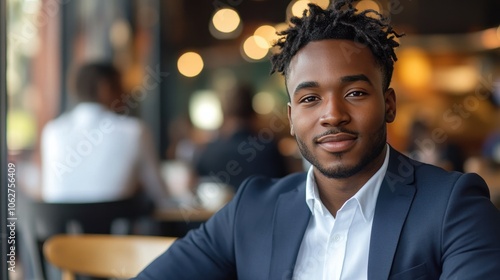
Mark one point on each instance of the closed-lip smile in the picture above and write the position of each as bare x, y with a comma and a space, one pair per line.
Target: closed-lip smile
336, 143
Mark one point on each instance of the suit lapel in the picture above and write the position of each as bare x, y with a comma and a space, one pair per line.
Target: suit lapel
393, 203
290, 222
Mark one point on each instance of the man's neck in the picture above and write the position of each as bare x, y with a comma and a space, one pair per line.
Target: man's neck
334, 192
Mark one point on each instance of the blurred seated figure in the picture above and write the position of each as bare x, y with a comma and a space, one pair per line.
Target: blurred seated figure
93, 154
239, 150
182, 146
491, 149
488, 166
423, 147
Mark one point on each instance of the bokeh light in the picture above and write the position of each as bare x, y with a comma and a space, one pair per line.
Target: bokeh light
268, 33
190, 64
263, 103
252, 48
120, 33
322, 3
205, 110
299, 6
414, 69
21, 129
226, 20
367, 5
490, 38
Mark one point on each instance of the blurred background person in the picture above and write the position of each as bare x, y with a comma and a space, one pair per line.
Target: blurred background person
182, 145
239, 150
487, 164
93, 154
422, 146
491, 166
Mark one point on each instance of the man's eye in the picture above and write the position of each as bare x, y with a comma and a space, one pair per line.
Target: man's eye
356, 94
309, 99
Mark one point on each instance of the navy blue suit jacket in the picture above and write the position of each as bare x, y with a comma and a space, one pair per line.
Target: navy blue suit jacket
428, 224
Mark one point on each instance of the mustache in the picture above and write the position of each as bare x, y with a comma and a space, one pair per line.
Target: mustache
334, 131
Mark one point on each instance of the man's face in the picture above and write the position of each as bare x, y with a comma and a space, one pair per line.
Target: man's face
338, 110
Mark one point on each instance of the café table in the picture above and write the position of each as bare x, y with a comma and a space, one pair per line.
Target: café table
180, 214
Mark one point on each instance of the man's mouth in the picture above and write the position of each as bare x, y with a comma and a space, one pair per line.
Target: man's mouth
336, 143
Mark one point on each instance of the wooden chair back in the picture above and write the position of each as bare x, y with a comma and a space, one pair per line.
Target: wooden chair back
102, 255
40, 220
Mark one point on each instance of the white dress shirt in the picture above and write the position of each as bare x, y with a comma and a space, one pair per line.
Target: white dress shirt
93, 155
337, 248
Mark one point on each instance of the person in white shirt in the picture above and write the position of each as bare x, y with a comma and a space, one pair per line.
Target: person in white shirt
93, 154
364, 210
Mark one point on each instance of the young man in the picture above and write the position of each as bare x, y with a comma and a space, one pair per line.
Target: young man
363, 211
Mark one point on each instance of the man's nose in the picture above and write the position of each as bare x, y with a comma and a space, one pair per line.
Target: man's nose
335, 113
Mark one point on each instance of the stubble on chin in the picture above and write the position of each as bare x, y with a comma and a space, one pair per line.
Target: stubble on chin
341, 171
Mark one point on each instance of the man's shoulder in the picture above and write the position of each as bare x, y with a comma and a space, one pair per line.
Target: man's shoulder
403, 165
257, 197
427, 176
120, 123
272, 187
62, 122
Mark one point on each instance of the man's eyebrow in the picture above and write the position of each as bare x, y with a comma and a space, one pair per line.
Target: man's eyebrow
344, 79
355, 78
305, 85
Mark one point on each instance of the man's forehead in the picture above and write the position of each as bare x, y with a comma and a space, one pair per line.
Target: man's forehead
344, 51
336, 57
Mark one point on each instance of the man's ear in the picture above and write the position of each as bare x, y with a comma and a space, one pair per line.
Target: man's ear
390, 105
289, 111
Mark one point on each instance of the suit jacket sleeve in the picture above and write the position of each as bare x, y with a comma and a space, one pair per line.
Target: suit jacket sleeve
205, 253
471, 232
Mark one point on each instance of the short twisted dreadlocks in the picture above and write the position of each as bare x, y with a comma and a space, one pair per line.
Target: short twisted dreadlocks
339, 22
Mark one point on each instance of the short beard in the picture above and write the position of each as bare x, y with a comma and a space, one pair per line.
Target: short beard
344, 172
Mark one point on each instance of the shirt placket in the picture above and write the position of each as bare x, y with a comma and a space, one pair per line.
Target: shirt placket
337, 242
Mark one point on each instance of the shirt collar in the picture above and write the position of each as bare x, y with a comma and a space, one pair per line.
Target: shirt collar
87, 112
366, 197
88, 107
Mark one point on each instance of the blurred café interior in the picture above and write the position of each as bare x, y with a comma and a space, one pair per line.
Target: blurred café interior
178, 60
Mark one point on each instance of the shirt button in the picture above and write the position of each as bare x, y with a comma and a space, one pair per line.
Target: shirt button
337, 237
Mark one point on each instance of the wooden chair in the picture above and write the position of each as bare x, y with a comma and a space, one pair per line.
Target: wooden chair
102, 255
40, 220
